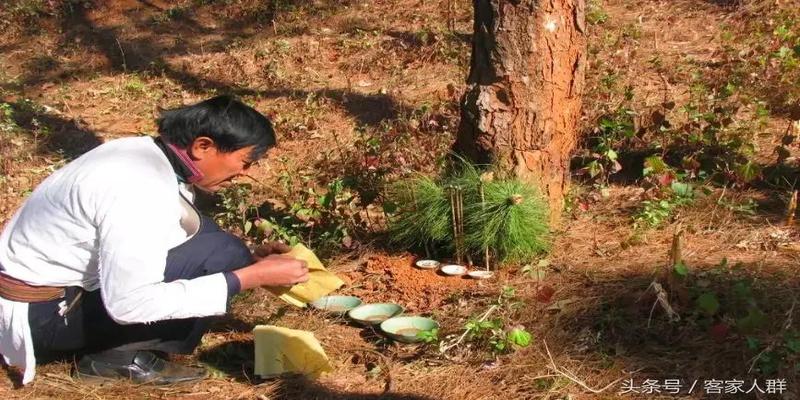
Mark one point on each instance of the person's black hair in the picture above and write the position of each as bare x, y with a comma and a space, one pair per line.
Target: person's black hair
229, 122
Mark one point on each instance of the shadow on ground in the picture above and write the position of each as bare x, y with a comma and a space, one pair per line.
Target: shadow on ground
148, 49
730, 322
51, 132
606, 325
301, 388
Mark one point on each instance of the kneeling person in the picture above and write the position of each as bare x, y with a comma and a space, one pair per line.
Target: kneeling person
109, 259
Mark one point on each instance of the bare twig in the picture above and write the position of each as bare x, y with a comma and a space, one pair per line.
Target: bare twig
716, 206
662, 298
251, 177
124, 62
571, 376
791, 209
675, 285
485, 248
461, 226
455, 222
652, 309
675, 254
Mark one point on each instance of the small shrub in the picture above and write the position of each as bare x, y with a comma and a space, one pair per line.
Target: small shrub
492, 333
656, 212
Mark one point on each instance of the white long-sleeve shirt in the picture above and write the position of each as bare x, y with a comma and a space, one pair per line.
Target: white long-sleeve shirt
106, 220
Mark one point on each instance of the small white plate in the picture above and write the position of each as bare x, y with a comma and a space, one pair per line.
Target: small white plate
480, 274
454, 270
427, 264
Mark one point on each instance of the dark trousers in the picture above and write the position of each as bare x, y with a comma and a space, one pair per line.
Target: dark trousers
87, 327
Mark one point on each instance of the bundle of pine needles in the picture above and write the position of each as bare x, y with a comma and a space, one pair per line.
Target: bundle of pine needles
424, 216
512, 222
464, 176
505, 217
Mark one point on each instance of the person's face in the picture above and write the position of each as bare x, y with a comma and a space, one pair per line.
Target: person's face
218, 168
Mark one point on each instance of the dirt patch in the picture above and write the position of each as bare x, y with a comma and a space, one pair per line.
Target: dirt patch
395, 279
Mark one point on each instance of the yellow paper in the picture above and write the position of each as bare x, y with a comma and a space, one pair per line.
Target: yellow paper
283, 350
320, 280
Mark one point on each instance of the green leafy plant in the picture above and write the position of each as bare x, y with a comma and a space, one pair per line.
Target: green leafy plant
324, 216
316, 217
612, 131
429, 336
656, 212
489, 331
782, 353
492, 334
538, 271
284, 229
716, 144
733, 305
680, 270
170, 14
235, 204
518, 336
708, 303
135, 85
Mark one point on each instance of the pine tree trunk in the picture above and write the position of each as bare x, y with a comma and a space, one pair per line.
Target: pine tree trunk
521, 108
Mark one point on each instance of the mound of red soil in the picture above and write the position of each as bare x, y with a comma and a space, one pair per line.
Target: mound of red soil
395, 279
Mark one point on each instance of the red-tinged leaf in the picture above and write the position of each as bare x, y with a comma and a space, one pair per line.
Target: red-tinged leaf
371, 162
584, 206
719, 331
665, 179
545, 294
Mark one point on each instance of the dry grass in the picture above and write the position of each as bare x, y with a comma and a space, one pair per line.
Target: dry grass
325, 69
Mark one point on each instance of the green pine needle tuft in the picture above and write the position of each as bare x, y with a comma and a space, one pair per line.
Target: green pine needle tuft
513, 223
466, 176
424, 216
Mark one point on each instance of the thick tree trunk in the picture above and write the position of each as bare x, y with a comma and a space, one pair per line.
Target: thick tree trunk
521, 108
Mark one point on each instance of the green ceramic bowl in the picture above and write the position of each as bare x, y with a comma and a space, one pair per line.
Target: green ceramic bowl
405, 329
374, 314
336, 304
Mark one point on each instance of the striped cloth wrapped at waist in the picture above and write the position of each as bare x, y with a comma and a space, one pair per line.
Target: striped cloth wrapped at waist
16, 290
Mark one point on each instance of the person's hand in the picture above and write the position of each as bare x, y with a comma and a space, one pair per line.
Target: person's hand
270, 248
273, 270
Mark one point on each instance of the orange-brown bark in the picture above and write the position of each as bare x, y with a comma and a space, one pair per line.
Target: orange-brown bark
521, 108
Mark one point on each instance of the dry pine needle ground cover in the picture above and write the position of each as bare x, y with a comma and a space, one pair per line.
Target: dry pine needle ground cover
327, 71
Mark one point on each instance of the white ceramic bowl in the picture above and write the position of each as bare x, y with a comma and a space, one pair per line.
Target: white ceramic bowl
454, 270
427, 264
480, 274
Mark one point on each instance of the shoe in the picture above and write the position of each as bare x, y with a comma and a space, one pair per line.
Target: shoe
145, 367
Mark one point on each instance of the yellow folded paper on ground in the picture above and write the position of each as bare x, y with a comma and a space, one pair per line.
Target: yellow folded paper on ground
283, 350
320, 280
